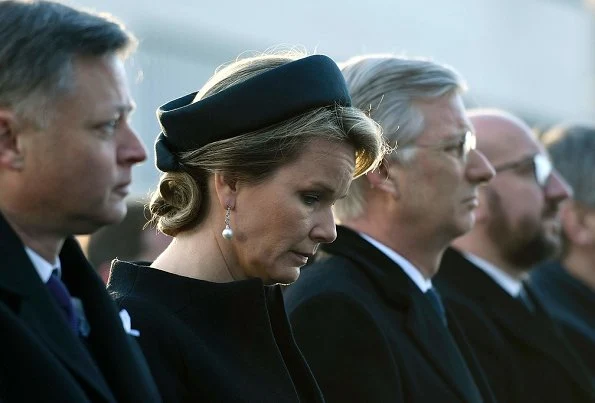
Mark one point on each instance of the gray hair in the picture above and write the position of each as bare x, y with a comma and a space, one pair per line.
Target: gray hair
571, 150
387, 87
40, 41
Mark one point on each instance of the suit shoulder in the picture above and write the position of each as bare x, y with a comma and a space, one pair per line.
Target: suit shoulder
148, 314
335, 275
343, 340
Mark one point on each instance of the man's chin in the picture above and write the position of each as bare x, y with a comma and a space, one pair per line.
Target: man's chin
111, 215
540, 249
464, 225
115, 213
552, 229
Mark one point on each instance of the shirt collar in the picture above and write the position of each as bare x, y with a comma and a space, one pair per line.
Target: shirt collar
510, 284
410, 270
42, 266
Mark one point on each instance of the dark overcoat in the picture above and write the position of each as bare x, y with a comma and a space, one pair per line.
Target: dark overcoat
214, 342
371, 335
545, 367
41, 358
571, 304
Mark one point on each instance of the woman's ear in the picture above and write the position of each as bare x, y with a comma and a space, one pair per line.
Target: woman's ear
226, 190
385, 179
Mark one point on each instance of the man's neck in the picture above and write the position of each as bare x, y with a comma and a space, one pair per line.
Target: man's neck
196, 254
424, 254
582, 267
47, 246
490, 253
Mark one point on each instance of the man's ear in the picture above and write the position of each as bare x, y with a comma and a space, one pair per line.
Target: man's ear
11, 156
226, 189
383, 179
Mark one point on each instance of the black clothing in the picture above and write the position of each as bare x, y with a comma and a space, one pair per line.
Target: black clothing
213, 342
544, 368
572, 305
371, 335
41, 358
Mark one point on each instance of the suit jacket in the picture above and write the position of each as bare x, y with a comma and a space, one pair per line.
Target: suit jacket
370, 335
571, 304
547, 369
41, 358
214, 342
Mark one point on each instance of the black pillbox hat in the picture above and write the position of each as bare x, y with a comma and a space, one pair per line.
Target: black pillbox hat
266, 99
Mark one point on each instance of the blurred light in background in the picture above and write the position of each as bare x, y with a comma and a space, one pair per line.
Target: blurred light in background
533, 57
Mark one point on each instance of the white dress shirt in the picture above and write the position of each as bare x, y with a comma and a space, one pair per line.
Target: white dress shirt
43, 267
510, 284
410, 270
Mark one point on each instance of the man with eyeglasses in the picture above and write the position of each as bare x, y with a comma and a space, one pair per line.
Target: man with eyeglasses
366, 315
566, 285
483, 276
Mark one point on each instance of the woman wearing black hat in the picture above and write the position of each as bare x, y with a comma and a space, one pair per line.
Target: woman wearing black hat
253, 164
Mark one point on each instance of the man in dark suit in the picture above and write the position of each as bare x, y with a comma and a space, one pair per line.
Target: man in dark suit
366, 316
566, 286
482, 279
66, 152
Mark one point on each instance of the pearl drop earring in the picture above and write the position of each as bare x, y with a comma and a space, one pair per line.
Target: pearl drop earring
227, 232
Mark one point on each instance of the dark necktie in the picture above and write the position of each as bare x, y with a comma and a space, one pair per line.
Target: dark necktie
436, 302
526, 300
58, 290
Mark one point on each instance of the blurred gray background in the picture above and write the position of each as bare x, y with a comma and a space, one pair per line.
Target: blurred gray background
533, 57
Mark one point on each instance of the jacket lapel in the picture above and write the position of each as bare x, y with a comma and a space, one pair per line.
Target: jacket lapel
40, 313
422, 322
535, 331
115, 353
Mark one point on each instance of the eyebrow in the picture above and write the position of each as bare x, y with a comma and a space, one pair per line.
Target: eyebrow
327, 189
323, 186
454, 137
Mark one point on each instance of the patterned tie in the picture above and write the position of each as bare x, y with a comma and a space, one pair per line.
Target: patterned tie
58, 290
436, 302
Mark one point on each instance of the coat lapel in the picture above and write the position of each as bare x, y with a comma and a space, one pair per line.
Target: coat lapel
39, 312
115, 353
535, 331
422, 323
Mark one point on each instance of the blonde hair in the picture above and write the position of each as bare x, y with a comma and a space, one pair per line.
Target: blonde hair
179, 203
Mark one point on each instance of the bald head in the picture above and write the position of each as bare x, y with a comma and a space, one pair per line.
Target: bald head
501, 136
516, 225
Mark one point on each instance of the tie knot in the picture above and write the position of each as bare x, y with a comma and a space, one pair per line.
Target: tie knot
61, 295
436, 301
526, 300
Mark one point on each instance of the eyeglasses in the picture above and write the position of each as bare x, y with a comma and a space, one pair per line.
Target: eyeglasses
460, 147
540, 164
